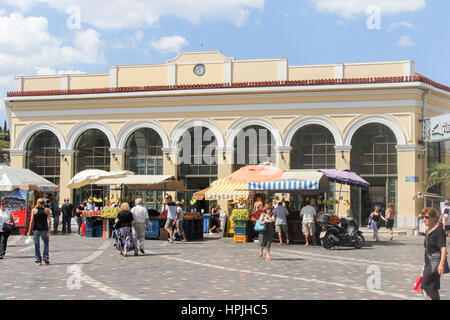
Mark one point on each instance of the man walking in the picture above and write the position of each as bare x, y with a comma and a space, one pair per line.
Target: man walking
140, 216
56, 212
171, 216
78, 218
308, 213
67, 211
179, 221
281, 224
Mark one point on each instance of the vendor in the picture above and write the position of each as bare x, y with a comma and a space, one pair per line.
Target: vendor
258, 205
241, 204
90, 205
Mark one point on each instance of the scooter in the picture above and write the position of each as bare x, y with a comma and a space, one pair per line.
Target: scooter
346, 235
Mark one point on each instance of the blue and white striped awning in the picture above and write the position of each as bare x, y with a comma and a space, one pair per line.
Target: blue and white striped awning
284, 185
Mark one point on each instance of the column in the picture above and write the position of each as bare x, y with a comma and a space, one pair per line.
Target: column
284, 157
66, 173
170, 161
117, 159
411, 176
225, 162
18, 158
343, 163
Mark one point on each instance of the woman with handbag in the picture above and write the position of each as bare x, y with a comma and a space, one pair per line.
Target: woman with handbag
436, 263
376, 217
40, 225
267, 219
124, 236
5, 228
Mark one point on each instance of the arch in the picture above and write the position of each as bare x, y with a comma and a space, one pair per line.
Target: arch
233, 132
78, 130
292, 130
26, 134
184, 127
126, 132
390, 123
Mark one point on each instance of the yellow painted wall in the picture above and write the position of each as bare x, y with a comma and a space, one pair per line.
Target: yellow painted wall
42, 83
88, 81
247, 71
214, 74
374, 70
199, 57
143, 76
65, 176
17, 161
311, 72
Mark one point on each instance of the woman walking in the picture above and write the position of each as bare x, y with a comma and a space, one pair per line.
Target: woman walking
376, 216
124, 239
266, 236
389, 218
215, 216
5, 217
436, 263
41, 222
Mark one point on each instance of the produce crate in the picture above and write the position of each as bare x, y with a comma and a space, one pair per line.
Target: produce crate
240, 231
238, 238
240, 224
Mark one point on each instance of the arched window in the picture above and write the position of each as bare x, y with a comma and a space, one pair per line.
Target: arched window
143, 154
43, 155
313, 148
374, 151
252, 146
92, 151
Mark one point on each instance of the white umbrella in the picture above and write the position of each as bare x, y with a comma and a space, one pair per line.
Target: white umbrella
91, 176
15, 178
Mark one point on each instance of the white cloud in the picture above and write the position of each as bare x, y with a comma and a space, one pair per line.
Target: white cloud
169, 44
349, 9
118, 14
132, 41
404, 24
405, 41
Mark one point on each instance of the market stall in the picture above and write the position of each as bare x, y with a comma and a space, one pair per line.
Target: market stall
18, 187
193, 221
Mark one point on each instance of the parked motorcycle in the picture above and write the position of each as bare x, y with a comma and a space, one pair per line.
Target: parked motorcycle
346, 235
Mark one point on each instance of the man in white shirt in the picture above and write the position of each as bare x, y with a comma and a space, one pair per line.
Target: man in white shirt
308, 227
140, 216
171, 216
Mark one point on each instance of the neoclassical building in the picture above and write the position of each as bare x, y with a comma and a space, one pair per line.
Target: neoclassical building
366, 117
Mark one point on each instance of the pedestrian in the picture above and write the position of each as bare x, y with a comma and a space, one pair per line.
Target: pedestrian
124, 240
56, 212
436, 263
241, 204
5, 217
274, 204
281, 225
265, 237
308, 213
258, 205
179, 222
215, 217
90, 206
78, 212
67, 212
376, 222
446, 221
445, 209
389, 218
41, 222
140, 217
171, 215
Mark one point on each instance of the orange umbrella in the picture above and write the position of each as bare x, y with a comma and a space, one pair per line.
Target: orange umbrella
259, 173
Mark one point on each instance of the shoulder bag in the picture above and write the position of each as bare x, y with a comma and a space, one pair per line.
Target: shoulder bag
435, 259
259, 227
8, 228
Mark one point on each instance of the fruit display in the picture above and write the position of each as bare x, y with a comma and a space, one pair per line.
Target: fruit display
240, 215
94, 213
110, 213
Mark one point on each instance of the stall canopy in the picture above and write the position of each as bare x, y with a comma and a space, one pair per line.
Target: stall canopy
92, 176
308, 180
145, 182
256, 173
200, 195
225, 190
345, 177
23, 179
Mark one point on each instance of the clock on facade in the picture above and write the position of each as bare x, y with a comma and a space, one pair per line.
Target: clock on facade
199, 70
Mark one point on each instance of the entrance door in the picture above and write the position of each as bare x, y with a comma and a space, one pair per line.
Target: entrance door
194, 184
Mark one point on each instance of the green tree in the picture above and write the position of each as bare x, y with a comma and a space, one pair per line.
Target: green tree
439, 173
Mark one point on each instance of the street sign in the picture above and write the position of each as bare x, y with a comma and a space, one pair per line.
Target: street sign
412, 179
440, 128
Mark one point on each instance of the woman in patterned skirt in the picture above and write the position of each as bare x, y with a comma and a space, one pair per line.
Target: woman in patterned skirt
124, 237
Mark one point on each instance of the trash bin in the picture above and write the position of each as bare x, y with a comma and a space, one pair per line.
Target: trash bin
206, 222
154, 229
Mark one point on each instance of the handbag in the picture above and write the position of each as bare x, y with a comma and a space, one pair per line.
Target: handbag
8, 228
370, 226
418, 283
435, 260
259, 227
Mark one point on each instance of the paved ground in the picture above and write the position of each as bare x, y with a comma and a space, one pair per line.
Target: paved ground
213, 269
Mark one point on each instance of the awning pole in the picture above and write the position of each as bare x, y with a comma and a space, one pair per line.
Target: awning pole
339, 203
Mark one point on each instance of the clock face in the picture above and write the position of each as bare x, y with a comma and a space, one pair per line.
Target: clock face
199, 70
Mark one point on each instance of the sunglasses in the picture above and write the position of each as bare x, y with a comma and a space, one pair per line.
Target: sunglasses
426, 217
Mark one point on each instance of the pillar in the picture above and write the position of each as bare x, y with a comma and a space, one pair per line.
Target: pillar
18, 158
170, 161
343, 163
66, 174
225, 163
117, 159
284, 157
411, 177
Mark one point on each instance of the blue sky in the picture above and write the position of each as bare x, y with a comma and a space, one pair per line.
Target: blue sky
52, 36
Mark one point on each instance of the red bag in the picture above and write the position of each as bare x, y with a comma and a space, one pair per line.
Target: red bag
418, 283
83, 229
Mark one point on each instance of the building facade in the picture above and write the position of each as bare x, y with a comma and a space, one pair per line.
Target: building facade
366, 117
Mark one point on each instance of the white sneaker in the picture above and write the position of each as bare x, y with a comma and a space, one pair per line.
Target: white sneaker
171, 240
211, 234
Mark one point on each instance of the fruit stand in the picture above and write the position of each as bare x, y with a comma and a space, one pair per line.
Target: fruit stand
242, 226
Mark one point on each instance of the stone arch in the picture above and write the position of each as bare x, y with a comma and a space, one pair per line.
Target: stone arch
126, 132
78, 130
184, 127
26, 134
